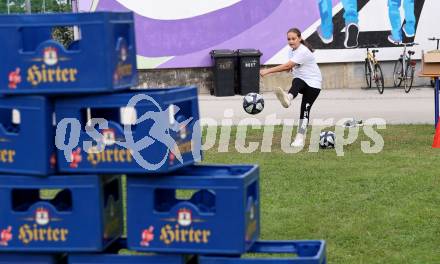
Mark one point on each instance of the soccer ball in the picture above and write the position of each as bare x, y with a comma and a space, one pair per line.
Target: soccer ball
327, 140
253, 103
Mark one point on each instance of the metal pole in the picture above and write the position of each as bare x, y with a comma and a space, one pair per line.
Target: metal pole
44, 6
7, 3
75, 7
76, 30
28, 6
436, 101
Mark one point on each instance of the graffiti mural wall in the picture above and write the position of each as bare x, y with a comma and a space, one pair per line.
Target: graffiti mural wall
181, 33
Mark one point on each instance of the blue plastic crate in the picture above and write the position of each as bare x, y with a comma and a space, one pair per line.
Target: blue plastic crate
306, 252
219, 212
15, 258
27, 144
162, 127
34, 63
60, 213
114, 256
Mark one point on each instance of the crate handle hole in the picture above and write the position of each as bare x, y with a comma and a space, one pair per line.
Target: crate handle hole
10, 119
68, 36
23, 199
203, 199
91, 114
111, 191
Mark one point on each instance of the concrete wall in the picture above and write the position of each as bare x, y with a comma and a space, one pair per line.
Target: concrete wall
335, 75
160, 78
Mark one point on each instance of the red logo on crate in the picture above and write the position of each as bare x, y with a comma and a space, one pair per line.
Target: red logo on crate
76, 158
53, 160
172, 157
184, 217
123, 53
14, 78
42, 216
147, 236
108, 136
48, 72
184, 231
5, 236
39, 230
50, 56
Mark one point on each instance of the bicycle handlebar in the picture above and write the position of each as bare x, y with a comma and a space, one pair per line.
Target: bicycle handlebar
435, 39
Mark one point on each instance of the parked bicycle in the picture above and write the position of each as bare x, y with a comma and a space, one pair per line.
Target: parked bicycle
373, 71
404, 68
438, 40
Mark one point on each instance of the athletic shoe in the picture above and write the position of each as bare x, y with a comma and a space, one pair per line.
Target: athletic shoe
282, 97
351, 35
406, 34
407, 38
299, 141
353, 123
394, 41
324, 39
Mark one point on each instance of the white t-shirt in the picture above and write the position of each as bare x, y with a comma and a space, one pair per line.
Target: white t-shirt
305, 66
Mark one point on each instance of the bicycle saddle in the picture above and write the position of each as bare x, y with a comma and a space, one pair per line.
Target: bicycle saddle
410, 52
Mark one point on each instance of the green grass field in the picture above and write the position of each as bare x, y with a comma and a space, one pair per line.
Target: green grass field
370, 208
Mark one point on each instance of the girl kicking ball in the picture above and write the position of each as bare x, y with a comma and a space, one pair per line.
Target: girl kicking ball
306, 80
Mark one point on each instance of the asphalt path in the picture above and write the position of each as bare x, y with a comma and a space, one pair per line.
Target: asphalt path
394, 106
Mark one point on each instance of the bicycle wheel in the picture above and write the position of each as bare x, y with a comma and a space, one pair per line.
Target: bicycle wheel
368, 73
397, 73
378, 78
409, 78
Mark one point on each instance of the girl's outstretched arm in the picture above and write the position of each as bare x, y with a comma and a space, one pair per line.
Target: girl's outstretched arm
280, 68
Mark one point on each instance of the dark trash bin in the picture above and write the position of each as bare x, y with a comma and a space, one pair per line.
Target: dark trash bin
224, 62
249, 71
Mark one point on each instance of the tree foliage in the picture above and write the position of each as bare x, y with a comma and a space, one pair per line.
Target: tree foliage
64, 35
37, 6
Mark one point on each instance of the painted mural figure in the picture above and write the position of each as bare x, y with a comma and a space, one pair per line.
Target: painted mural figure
307, 80
408, 27
351, 22
190, 47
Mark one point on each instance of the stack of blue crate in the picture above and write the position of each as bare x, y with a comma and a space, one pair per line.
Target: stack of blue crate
69, 131
46, 212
